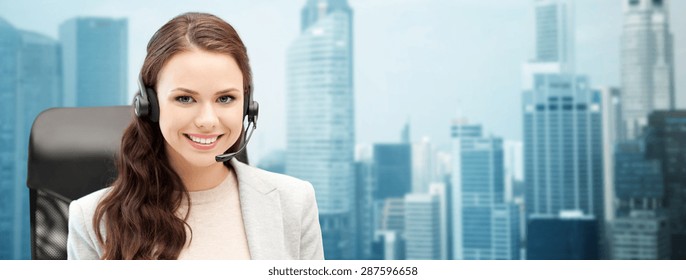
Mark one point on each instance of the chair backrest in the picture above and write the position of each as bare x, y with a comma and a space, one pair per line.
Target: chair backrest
71, 154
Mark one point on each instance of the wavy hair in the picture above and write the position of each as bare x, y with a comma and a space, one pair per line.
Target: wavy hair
138, 218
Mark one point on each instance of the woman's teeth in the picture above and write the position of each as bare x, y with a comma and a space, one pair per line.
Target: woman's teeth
203, 140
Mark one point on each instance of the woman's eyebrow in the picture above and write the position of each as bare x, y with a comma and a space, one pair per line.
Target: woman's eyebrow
192, 92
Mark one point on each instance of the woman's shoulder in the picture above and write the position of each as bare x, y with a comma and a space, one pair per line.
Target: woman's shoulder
82, 241
267, 180
89, 202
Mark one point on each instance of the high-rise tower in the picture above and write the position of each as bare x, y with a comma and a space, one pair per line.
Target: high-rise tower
94, 61
647, 63
320, 112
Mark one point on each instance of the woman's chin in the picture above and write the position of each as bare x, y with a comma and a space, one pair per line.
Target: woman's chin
205, 160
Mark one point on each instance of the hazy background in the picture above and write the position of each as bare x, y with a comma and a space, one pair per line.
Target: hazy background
427, 61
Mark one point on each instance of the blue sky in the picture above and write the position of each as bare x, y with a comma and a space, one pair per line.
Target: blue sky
427, 61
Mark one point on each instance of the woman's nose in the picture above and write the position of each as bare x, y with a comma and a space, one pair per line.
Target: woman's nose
207, 117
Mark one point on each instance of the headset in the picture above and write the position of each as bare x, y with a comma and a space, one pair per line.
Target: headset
145, 106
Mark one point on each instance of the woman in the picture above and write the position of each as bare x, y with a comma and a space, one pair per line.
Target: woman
172, 198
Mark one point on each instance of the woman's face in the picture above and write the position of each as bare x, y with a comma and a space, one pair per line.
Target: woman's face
201, 106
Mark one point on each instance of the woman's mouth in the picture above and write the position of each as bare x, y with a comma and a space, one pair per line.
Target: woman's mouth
203, 143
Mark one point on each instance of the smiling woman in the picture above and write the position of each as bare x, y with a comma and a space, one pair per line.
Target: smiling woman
174, 198
200, 112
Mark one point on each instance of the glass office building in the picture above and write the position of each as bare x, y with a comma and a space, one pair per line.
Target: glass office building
640, 230
422, 226
666, 142
555, 33
563, 157
94, 61
320, 114
484, 225
647, 62
563, 146
392, 170
29, 83
572, 237
641, 235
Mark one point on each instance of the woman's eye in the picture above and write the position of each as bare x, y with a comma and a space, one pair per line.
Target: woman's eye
184, 99
225, 99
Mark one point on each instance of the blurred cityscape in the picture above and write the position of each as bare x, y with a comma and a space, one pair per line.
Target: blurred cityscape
599, 174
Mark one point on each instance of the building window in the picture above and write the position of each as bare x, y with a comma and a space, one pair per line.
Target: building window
657, 3
633, 2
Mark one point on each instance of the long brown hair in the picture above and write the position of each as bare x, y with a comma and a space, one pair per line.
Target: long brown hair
138, 215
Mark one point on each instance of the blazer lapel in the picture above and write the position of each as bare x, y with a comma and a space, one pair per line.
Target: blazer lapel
262, 218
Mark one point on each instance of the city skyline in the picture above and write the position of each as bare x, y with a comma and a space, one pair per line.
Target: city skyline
384, 86
570, 126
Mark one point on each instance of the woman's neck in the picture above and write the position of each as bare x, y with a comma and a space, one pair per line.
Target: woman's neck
196, 178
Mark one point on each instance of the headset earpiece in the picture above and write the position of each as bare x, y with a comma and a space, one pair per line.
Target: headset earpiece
145, 102
140, 106
251, 107
253, 110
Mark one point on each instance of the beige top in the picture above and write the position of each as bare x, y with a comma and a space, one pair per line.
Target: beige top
216, 222
279, 218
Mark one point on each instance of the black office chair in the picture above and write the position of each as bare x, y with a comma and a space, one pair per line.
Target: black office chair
71, 154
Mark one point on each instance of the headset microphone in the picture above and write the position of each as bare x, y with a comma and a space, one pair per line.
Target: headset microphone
251, 111
229, 156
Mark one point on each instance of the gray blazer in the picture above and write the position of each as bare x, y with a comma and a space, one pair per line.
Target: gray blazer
279, 213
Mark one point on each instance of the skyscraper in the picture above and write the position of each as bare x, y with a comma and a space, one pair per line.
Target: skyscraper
639, 182
39, 89
642, 235
389, 234
514, 169
388, 245
392, 170
555, 33
459, 130
94, 61
422, 166
442, 191
563, 146
571, 236
484, 225
563, 159
29, 84
666, 142
393, 215
639, 228
554, 40
422, 227
10, 212
612, 132
364, 216
647, 71
320, 113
